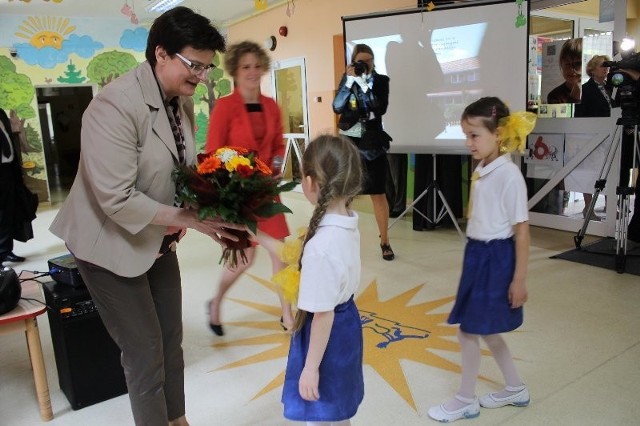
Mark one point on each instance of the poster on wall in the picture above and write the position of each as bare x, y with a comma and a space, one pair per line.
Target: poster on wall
562, 70
555, 110
545, 149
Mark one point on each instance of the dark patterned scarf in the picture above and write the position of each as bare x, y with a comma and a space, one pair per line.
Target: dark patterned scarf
176, 127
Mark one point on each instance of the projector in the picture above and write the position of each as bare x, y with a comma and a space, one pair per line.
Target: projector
63, 270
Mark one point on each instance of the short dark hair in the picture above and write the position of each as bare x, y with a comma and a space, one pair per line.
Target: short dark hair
490, 109
180, 27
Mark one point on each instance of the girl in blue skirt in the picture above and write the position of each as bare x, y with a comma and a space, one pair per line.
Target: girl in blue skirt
323, 383
492, 288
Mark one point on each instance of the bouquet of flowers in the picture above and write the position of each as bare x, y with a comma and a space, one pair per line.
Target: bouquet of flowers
233, 184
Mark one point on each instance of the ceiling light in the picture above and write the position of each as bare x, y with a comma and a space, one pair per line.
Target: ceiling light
627, 44
162, 5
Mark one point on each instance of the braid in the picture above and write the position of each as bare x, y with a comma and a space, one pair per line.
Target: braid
316, 217
333, 163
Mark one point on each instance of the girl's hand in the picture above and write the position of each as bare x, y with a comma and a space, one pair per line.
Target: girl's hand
308, 384
268, 242
517, 294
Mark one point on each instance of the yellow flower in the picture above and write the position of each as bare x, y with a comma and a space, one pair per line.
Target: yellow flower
236, 161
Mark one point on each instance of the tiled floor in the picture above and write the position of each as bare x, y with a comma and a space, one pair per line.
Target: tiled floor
578, 350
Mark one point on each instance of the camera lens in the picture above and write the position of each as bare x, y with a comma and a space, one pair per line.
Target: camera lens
360, 67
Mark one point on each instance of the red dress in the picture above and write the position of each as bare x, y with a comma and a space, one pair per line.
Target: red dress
232, 124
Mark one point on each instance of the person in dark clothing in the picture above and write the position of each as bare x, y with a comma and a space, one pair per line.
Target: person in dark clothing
361, 101
595, 102
11, 178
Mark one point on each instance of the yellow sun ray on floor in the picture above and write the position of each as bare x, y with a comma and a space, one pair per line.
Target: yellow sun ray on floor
393, 330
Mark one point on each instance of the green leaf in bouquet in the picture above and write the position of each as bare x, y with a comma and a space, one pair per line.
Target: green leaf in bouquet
288, 186
253, 226
271, 209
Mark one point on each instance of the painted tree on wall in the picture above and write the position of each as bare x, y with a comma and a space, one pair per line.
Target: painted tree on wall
16, 95
109, 65
202, 125
215, 86
72, 76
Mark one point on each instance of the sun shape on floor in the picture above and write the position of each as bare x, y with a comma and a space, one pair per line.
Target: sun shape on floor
393, 330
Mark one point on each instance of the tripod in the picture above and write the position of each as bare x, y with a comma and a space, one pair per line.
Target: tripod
434, 188
622, 192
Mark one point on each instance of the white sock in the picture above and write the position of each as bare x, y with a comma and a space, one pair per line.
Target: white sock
502, 355
470, 349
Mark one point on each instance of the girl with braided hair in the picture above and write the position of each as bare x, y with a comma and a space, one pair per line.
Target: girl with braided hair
323, 382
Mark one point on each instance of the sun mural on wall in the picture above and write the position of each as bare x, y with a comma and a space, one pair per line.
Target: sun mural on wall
50, 41
393, 330
46, 31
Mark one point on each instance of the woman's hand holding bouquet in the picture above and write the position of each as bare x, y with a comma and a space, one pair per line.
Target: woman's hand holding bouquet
232, 184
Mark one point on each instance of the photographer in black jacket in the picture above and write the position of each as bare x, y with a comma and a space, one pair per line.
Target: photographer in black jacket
361, 101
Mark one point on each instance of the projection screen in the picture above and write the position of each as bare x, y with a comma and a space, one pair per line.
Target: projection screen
439, 62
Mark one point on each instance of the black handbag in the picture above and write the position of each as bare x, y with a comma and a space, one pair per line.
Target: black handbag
374, 138
26, 204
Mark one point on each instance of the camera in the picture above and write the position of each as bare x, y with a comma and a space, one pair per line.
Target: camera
360, 67
625, 91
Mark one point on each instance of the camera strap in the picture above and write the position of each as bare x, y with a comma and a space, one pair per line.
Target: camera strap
364, 98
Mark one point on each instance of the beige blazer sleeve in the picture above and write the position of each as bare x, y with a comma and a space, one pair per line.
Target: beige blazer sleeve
127, 156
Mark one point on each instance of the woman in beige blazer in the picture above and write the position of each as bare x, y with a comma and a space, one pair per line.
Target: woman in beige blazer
120, 221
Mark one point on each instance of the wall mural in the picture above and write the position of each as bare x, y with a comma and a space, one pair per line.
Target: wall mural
57, 51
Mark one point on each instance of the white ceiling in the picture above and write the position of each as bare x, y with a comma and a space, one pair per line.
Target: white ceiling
219, 11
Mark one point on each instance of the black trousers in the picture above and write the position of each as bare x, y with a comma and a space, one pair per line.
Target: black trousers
7, 202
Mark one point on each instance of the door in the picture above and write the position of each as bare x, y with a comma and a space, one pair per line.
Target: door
290, 89
60, 111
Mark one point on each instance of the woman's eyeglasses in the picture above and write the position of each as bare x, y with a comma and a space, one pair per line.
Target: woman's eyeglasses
196, 69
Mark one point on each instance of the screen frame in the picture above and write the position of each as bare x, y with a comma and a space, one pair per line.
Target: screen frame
443, 146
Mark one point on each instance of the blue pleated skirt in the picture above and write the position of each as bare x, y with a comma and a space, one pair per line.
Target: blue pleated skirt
341, 384
482, 302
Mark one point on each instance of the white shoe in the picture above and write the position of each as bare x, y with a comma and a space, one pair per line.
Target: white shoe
519, 399
469, 411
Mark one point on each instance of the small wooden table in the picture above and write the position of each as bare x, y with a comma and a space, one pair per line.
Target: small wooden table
24, 318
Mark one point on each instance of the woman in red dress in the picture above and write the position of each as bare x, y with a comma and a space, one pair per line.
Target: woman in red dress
250, 120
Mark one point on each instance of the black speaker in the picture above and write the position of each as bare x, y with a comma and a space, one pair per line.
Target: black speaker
88, 360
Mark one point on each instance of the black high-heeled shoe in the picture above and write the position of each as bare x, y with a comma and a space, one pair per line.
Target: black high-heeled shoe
387, 252
216, 328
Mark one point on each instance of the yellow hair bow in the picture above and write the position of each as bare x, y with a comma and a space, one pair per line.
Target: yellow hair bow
513, 130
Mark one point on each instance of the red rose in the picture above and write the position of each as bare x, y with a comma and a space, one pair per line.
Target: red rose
244, 170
